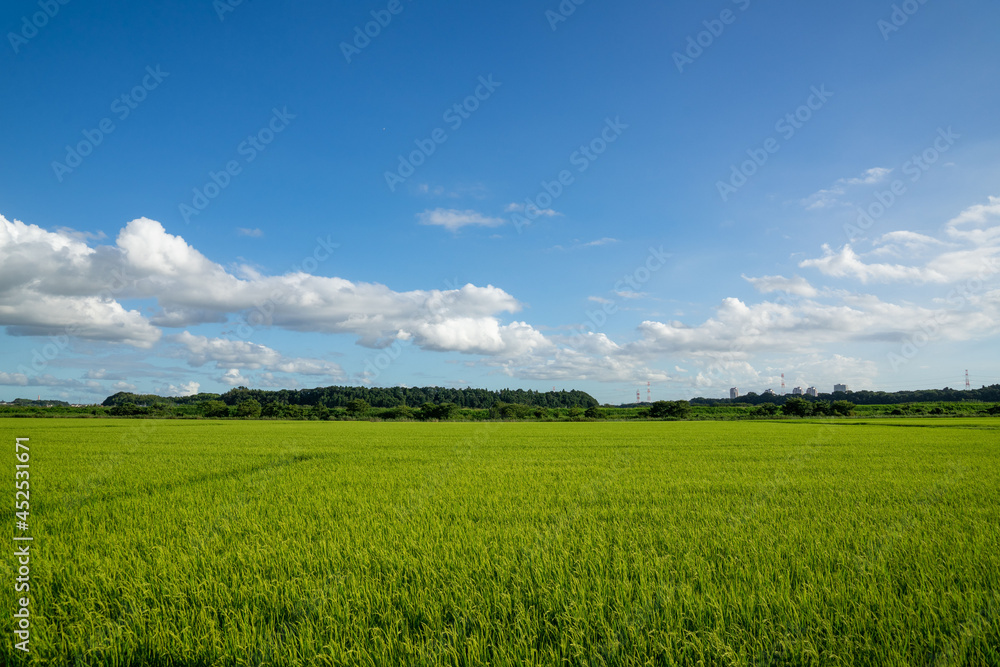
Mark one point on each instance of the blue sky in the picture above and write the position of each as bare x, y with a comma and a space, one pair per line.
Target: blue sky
199, 195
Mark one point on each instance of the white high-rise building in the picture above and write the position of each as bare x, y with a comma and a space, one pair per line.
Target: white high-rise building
811, 391
734, 393
797, 391
840, 387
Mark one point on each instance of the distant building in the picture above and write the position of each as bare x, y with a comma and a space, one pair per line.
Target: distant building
840, 387
769, 392
734, 393
811, 391
797, 391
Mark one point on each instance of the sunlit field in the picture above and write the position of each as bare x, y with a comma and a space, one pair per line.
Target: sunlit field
687, 543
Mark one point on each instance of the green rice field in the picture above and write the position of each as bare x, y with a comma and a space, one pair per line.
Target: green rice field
657, 543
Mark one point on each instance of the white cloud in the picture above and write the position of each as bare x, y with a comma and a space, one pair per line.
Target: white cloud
585, 357
577, 245
46, 380
794, 285
873, 176
233, 378
454, 219
905, 244
977, 229
253, 233
52, 285
536, 212
845, 263
830, 196
186, 389
238, 354
607, 240
973, 224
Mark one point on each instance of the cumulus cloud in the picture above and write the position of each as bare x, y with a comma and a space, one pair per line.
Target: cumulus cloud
738, 331
454, 219
73, 287
233, 378
186, 389
972, 249
584, 357
241, 355
51, 284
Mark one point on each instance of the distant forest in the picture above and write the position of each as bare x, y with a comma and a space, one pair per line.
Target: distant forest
484, 399
376, 397
990, 394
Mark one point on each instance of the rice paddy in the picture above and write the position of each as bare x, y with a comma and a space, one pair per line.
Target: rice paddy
354, 543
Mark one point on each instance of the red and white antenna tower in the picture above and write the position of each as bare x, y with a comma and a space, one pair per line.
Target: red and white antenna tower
782, 383
967, 385
649, 394
638, 397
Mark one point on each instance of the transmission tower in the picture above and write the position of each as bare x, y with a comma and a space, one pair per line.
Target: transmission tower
967, 385
649, 393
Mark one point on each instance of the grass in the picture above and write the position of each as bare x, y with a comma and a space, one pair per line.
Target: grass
305, 543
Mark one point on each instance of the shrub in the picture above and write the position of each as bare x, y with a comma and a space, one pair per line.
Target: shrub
248, 409
670, 410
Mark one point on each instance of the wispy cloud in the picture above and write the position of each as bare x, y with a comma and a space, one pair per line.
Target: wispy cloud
514, 207
794, 285
578, 245
831, 195
454, 219
626, 294
253, 233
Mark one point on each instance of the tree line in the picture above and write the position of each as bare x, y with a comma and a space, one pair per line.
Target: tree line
376, 397
985, 394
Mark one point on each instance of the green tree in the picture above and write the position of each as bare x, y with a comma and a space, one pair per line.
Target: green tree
125, 410
441, 412
670, 410
248, 409
765, 410
820, 409
215, 409
399, 412
358, 407
843, 408
796, 407
594, 412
